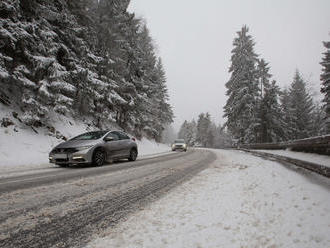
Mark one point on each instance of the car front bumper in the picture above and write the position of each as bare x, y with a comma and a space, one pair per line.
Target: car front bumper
182, 148
79, 157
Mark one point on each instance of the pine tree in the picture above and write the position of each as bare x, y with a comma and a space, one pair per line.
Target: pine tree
188, 132
286, 113
192, 133
272, 118
94, 59
325, 89
162, 113
263, 76
300, 109
264, 84
183, 130
242, 90
317, 122
204, 134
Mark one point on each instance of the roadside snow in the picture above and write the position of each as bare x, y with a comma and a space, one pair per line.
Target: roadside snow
239, 201
310, 157
150, 147
21, 148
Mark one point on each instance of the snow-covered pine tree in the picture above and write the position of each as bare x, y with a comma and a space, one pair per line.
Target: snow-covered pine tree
286, 113
192, 133
272, 118
115, 26
264, 84
188, 132
318, 120
84, 58
160, 100
242, 90
264, 76
300, 109
325, 89
182, 134
204, 135
221, 138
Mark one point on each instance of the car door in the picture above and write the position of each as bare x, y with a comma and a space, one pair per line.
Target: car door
126, 144
122, 150
113, 147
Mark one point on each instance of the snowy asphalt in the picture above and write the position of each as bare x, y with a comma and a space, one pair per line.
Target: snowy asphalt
64, 207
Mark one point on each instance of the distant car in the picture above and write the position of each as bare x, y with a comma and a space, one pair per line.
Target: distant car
179, 144
95, 148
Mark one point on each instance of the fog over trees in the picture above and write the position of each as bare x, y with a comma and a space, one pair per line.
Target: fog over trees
204, 133
87, 59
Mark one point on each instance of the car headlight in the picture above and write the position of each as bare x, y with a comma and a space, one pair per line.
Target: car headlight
83, 148
185, 145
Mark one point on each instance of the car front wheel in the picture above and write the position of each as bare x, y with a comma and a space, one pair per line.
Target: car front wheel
98, 158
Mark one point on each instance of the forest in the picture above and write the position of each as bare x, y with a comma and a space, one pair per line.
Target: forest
87, 59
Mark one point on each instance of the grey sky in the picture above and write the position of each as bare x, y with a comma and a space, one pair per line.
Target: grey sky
194, 39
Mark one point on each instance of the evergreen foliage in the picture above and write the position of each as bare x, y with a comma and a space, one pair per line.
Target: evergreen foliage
88, 59
256, 109
204, 133
300, 109
318, 127
325, 89
188, 132
264, 84
271, 115
242, 90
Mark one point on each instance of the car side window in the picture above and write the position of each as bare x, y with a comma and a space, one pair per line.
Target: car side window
123, 136
114, 135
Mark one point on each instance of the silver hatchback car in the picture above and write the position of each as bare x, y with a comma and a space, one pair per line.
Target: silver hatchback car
95, 148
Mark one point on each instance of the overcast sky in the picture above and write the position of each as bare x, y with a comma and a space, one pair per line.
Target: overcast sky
194, 39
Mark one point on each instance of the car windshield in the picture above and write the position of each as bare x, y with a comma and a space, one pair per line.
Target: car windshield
179, 141
90, 135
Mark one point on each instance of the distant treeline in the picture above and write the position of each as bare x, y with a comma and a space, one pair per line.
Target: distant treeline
204, 133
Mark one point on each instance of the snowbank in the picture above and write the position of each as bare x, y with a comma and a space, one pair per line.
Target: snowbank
309, 157
240, 201
149, 147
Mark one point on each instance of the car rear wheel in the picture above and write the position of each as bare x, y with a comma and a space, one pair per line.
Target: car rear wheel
98, 158
132, 155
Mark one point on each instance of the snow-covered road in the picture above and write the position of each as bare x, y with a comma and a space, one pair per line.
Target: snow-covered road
239, 201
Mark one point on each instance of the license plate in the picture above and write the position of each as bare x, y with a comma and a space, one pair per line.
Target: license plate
60, 156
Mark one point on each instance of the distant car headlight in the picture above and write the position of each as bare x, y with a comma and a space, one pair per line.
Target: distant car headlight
83, 148
185, 145
173, 146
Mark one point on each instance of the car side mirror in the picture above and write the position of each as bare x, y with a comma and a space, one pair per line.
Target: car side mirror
109, 138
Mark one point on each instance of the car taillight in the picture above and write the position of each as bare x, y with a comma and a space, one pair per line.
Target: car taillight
133, 138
